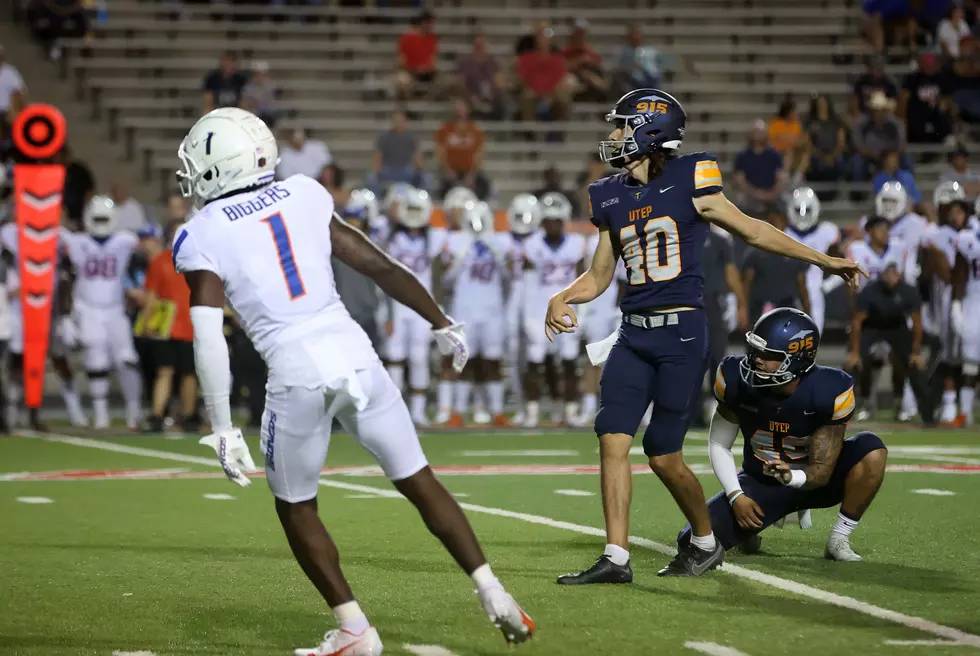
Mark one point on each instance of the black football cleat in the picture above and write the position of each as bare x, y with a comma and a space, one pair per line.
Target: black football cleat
602, 571
691, 561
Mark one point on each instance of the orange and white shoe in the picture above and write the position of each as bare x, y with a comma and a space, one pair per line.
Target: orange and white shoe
505, 613
456, 421
502, 421
341, 643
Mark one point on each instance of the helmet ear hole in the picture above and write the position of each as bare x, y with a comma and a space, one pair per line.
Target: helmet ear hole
207, 176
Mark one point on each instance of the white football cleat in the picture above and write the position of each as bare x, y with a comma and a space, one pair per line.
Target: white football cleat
339, 642
863, 415
481, 417
443, 416
505, 613
839, 548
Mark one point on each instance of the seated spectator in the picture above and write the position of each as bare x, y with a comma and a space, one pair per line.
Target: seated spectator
825, 143
585, 64
332, 178
759, 173
260, 94
951, 29
417, 49
302, 155
397, 156
130, 214
595, 169
223, 86
959, 170
553, 182
966, 79
891, 171
874, 80
11, 83
51, 20
637, 66
786, 134
459, 151
874, 135
545, 92
890, 21
527, 42
925, 104
481, 81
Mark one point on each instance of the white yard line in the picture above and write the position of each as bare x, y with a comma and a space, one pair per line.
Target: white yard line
926, 643
713, 649
428, 650
492, 453
801, 589
934, 492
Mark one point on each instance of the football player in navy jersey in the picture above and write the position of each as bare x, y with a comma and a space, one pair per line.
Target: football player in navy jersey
655, 215
793, 415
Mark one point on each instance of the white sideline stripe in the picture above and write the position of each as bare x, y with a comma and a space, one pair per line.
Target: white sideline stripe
219, 496
133, 653
428, 650
35, 500
490, 453
575, 493
935, 493
363, 496
925, 643
910, 621
713, 649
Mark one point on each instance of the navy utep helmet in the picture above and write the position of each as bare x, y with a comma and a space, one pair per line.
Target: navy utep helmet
785, 332
650, 119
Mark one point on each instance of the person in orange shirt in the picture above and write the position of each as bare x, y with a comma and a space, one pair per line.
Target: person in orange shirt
459, 148
417, 49
786, 132
169, 310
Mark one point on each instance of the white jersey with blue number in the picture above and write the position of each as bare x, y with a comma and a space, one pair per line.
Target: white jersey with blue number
100, 266
554, 267
271, 248
874, 262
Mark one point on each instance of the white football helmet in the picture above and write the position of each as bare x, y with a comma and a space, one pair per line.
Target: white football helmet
554, 205
524, 214
803, 212
414, 208
457, 197
99, 217
364, 203
892, 201
227, 149
477, 219
948, 192
395, 192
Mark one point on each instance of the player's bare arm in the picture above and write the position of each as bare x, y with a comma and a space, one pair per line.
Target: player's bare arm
354, 249
825, 446
587, 287
717, 209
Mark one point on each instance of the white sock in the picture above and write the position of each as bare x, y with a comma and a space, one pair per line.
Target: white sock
463, 388
132, 390
495, 396
949, 400
99, 388
444, 395
70, 396
967, 395
397, 373
533, 409
909, 403
351, 618
844, 525
617, 554
418, 404
571, 411
703, 542
589, 404
484, 578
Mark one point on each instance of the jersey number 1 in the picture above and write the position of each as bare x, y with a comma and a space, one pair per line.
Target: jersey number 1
284, 248
656, 262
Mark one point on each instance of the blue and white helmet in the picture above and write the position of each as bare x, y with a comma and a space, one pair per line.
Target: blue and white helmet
784, 332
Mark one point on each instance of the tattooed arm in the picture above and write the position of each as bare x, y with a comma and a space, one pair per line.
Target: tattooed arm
825, 446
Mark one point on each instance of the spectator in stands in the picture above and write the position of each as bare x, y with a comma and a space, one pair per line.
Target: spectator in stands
417, 50
786, 135
637, 65
51, 20
11, 83
397, 156
890, 21
759, 172
595, 169
951, 29
545, 91
527, 42
925, 104
873, 81
966, 79
260, 94
333, 180
79, 185
223, 86
481, 81
553, 182
302, 155
891, 171
825, 143
959, 170
876, 134
585, 64
459, 152
130, 214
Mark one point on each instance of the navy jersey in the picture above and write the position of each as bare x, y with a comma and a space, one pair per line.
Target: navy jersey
658, 231
775, 426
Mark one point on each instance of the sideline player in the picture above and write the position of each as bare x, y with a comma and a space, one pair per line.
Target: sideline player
965, 316
267, 246
655, 216
803, 216
793, 415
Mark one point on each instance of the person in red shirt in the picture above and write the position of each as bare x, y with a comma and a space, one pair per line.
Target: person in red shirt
417, 49
544, 79
586, 65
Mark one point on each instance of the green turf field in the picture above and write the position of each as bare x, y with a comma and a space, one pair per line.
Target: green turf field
112, 544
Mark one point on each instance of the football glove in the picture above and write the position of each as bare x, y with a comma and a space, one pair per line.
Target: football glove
452, 341
68, 332
956, 319
232, 454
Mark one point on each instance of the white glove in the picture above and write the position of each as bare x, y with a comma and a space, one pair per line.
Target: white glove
956, 318
68, 332
452, 341
232, 452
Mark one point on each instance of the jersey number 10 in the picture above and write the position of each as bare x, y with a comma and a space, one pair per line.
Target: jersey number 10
660, 260
284, 249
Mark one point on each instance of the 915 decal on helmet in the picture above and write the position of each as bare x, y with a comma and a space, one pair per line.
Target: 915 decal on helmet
648, 120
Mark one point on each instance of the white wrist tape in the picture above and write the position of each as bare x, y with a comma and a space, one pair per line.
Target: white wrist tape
798, 478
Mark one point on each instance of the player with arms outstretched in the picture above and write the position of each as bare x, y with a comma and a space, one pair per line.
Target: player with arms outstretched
793, 415
655, 216
267, 246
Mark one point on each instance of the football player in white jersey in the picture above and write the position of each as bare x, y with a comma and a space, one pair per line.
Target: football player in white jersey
418, 247
965, 316
100, 257
803, 216
553, 258
266, 246
523, 220
364, 203
478, 259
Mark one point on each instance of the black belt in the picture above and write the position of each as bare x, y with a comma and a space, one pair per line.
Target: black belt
650, 321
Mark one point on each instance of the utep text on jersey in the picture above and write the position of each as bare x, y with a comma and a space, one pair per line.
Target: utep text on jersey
658, 231
779, 427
